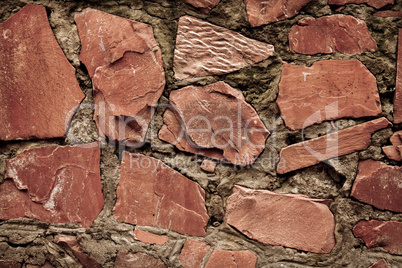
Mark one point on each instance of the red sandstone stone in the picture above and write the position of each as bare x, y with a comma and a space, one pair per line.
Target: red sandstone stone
125, 259
152, 194
208, 165
214, 121
46, 265
71, 243
394, 151
398, 87
311, 152
385, 234
150, 238
231, 259
327, 90
9, 264
261, 12
388, 13
288, 220
379, 185
205, 49
331, 34
39, 91
193, 253
54, 184
380, 264
374, 3
124, 62
204, 5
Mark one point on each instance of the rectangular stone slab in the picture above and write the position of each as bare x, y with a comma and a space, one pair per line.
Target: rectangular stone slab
398, 87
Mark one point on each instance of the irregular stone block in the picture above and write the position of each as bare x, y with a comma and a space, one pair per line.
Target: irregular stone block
9, 264
125, 64
125, 259
380, 264
39, 91
231, 259
331, 34
388, 13
193, 253
288, 220
205, 49
151, 194
398, 87
346, 141
150, 238
374, 3
379, 185
394, 151
385, 234
56, 184
261, 12
204, 5
327, 90
208, 165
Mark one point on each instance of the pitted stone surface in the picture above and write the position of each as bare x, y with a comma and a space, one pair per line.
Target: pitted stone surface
398, 87
288, 220
231, 259
394, 151
204, 5
331, 34
327, 90
193, 253
39, 92
204, 49
150, 238
374, 3
126, 259
54, 184
214, 121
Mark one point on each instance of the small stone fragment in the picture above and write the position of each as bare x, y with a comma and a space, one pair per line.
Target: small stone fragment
204, 5
39, 91
125, 64
314, 151
385, 234
327, 90
208, 165
9, 264
125, 259
204, 49
374, 3
216, 122
56, 184
380, 264
379, 184
394, 151
150, 238
193, 253
151, 194
388, 14
288, 220
231, 259
398, 87
261, 12
71, 243
331, 34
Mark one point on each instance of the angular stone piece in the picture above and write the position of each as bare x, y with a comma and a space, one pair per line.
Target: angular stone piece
204, 49
374, 3
288, 220
394, 151
379, 184
327, 90
39, 91
380, 264
151, 194
388, 13
231, 259
208, 165
385, 234
150, 238
56, 184
71, 243
398, 87
204, 5
125, 259
331, 34
9, 264
314, 151
214, 121
125, 64
261, 12
193, 253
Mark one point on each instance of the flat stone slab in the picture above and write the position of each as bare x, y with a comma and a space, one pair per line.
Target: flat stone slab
204, 5
208, 165
232, 259
380, 264
388, 13
264, 12
385, 234
374, 3
151, 194
39, 91
204, 49
125, 64
288, 220
126, 259
314, 151
398, 86
379, 184
394, 151
150, 238
56, 184
327, 90
193, 253
331, 34
214, 121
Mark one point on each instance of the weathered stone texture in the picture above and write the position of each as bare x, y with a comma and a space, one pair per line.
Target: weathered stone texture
204, 5
231, 259
126, 259
150, 238
208, 165
380, 264
394, 151
388, 13
193, 253
398, 87
374, 3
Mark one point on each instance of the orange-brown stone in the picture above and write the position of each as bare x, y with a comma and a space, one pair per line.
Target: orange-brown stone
193, 253
380, 264
388, 13
398, 87
150, 238
394, 151
126, 259
231, 259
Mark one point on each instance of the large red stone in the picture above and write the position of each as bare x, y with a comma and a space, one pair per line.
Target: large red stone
193, 253
152, 194
214, 121
394, 151
150, 238
204, 5
374, 3
39, 91
385, 234
205, 49
262, 12
379, 184
311, 152
125, 259
288, 220
54, 184
380, 264
331, 34
231, 259
398, 87
124, 62
388, 13
327, 90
